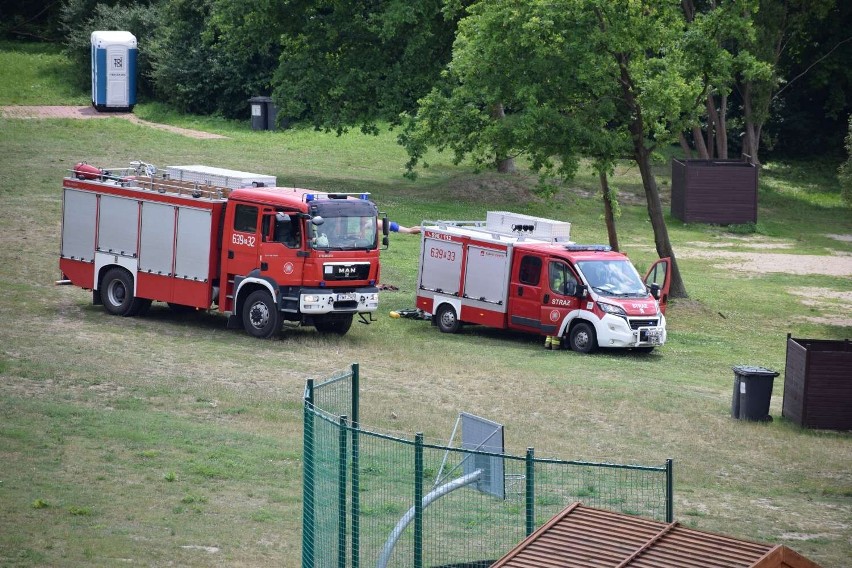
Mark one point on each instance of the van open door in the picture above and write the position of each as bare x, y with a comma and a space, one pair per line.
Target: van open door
659, 276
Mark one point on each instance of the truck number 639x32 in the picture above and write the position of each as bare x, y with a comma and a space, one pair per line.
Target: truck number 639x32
243, 240
442, 254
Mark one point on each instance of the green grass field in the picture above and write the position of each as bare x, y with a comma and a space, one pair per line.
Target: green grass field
169, 439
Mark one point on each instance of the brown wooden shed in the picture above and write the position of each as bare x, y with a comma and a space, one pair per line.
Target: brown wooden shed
714, 191
818, 383
584, 537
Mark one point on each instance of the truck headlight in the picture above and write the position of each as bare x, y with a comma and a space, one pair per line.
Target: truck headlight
311, 298
612, 309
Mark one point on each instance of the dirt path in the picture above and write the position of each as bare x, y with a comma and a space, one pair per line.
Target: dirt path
25, 112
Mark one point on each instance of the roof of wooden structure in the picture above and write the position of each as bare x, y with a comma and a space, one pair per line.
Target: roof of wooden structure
585, 537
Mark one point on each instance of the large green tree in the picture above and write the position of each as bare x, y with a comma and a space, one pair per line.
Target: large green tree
357, 62
590, 77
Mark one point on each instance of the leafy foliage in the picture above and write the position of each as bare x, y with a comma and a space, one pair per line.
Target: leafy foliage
845, 172
347, 63
82, 17
212, 55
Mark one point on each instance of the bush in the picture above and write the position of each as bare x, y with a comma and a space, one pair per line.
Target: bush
845, 172
80, 18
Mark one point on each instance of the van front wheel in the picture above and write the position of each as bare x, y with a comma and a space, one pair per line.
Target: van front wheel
583, 338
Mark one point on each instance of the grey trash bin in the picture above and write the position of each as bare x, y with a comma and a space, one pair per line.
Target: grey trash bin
263, 113
752, 392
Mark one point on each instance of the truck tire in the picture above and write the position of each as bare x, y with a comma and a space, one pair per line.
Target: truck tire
117, 294
260, 315
583, 338
447, 319
337, 324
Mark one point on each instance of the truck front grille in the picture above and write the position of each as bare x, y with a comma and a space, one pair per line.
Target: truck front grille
637, 323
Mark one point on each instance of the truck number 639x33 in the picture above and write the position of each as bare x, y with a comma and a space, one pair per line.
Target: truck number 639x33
243, 240
442, 254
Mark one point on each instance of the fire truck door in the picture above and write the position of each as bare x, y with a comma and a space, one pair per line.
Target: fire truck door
242, 241
559, 297
280, 248
525, 289
660, 274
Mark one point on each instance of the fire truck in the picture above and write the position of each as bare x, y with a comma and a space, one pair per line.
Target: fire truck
520, 272
198, 237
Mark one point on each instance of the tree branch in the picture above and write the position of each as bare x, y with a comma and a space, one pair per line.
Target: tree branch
811, 66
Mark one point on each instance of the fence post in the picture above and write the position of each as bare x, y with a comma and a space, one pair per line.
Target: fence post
530, 491
308, 521
669, 491
418, 500
356, 472
341, 494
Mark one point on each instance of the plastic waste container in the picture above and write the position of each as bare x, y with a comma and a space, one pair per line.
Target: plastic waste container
263, 113
752, 392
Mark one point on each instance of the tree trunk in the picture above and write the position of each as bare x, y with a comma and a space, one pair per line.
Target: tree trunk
722, 137
505, 165
752, 130
700, 147
642, 156
684, 145
608, 198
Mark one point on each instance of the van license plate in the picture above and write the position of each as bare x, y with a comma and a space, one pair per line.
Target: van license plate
654, 336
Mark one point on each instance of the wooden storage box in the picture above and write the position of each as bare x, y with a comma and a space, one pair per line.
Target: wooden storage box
723, 192
818, 383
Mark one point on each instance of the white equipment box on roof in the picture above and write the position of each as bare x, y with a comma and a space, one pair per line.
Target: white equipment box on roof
518, 224
207, 175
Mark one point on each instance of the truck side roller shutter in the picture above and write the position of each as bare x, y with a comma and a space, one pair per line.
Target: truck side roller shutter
118, 225
157, 241
486, 275
192, 256
78, 225
442, 262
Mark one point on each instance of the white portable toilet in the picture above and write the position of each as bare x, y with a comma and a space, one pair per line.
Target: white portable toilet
113, 70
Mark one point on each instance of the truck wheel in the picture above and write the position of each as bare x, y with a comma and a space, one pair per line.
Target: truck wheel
582, 338
260, 315
447, 319
117, 294
336, 324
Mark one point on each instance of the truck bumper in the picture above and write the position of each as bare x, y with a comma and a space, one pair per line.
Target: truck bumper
614, 331
319, 301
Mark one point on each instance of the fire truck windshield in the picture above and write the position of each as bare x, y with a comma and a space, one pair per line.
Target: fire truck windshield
348, 224
617, 278
344, 233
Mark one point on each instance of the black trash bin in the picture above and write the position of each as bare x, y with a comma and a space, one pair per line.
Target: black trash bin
752, 392
263, 113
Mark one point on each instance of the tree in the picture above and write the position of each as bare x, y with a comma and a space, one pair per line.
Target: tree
845, 172
210, 56
590, 77
353, 63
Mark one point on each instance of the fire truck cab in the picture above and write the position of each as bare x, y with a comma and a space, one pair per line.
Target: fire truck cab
521, 272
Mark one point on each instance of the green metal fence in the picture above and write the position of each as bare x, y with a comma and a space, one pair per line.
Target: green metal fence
375, 500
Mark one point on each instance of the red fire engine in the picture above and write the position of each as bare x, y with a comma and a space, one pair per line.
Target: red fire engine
520, 272
198, 237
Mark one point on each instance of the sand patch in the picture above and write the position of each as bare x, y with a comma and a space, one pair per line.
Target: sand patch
765, 263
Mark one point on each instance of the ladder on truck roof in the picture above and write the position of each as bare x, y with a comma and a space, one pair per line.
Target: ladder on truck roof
513, 225
143, 176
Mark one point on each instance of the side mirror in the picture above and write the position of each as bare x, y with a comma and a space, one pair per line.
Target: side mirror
385, 226
317, 220
571, 288
385, 241
581, 291
655, 291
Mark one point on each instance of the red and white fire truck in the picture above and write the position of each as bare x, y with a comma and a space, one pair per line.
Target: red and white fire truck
520, 272
198, 237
